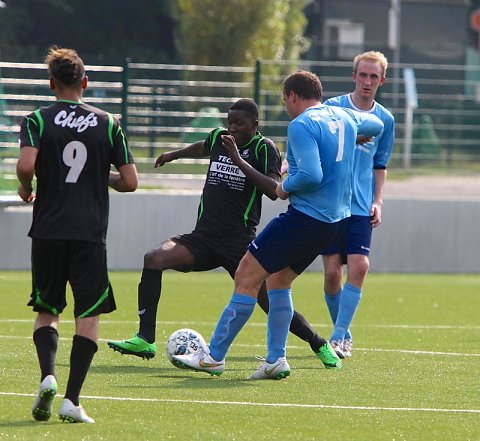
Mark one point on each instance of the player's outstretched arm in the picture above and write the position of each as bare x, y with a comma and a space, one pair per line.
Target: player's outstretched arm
195, 150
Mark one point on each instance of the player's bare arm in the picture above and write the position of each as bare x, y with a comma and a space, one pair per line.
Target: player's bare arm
361, 139
25, 172
284, 167
281, 193
379, 177
126, 180
195, 150
265, 183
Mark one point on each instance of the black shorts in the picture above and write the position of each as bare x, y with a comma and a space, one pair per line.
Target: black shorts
214, 250
83, 265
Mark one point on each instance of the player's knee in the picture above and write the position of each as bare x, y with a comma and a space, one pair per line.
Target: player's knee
359, 270
240, 274
246, 283
333, 276
154, 259
160, 257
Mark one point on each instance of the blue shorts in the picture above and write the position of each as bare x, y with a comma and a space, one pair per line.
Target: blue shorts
356, 240
293, 239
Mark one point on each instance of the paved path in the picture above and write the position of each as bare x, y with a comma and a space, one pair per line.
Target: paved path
434, 187
415, 187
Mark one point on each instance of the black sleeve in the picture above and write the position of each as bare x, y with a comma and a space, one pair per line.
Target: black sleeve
121, 154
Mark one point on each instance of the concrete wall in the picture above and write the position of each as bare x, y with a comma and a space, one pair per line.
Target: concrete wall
416, 236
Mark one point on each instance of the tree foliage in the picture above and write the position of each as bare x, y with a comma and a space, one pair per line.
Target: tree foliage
237, 32
103, 32
228, 32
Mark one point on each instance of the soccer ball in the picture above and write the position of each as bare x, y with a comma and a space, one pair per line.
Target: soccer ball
184, 341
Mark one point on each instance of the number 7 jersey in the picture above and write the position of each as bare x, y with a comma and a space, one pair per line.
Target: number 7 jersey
320, 155
76, 145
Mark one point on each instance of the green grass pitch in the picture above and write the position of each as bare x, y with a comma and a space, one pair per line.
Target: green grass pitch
414, 374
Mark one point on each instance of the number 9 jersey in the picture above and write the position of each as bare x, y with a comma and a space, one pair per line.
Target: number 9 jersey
76, 145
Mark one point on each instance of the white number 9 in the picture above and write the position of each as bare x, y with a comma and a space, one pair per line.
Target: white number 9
74, 156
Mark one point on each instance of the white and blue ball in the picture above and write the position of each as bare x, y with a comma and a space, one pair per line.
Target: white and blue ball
184, 341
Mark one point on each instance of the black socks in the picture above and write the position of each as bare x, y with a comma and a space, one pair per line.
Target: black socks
81, 356
46, 342
149, 291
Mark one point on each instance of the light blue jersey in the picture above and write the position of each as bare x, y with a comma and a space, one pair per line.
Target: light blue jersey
369, 156
320, 155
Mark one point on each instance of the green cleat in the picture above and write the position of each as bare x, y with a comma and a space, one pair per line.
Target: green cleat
329, 357
134, 346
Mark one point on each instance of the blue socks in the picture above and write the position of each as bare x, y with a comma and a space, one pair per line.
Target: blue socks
348, 304
333, 303
237, 313
279, 317
232, 320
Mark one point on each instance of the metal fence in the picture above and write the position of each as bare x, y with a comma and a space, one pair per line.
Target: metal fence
446, 127
169, 106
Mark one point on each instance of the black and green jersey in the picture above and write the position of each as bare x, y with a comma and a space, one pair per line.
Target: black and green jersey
76, 144
230, 203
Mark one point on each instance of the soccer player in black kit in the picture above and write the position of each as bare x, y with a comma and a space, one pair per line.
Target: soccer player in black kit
244, 165
69, 147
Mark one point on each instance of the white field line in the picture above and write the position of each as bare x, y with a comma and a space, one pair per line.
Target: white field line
197, 323
400, 351
212, 324
249, 403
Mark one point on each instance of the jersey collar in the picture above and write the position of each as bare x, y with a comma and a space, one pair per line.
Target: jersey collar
253, 138
354, 107
69, 102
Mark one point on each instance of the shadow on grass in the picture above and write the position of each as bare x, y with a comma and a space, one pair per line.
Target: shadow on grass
196, 380
124, 369
29, 423
169, 377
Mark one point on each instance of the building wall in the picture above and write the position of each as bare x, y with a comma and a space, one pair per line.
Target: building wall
416, 236
431, 31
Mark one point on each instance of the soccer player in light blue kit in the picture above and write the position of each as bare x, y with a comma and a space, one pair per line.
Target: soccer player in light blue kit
370, 174
321, 142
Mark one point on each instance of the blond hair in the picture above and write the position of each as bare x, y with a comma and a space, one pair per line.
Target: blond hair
375, 56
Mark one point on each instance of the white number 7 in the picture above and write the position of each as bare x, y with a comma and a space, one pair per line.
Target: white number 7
74, 156
334, 126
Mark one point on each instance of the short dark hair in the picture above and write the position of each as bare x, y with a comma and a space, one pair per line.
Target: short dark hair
247, 105
305, 84
65, 66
